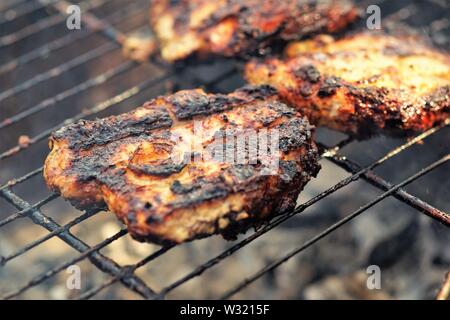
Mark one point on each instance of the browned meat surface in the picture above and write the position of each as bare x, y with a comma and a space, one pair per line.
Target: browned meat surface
153, 169
363, 84
237, 27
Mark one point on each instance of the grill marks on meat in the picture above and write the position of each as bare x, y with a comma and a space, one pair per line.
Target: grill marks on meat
126, 162
363, 84
239, 27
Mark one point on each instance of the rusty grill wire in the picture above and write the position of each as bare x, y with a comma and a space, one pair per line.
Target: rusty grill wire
18, 9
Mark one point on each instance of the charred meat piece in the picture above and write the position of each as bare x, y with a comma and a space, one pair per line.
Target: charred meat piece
166, 169
363, 84
239, 27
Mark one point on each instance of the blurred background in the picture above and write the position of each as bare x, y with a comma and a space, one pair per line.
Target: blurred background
49, 74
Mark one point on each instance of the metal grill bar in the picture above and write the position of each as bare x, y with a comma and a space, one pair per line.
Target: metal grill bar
86, 113
20, 9
43, 24
90, 293
39, 279
93, 23
93, 82
400, 194
333, 227
67, 39
25, 177
48, 236
26, 211
30, 30
57, 71
42, 51
6, 6
100, 261
444, 291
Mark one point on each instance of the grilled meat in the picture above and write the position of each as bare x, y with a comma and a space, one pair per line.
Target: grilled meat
363, 84
238, 27
159, 168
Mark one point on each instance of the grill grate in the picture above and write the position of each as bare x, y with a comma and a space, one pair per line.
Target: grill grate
126, 274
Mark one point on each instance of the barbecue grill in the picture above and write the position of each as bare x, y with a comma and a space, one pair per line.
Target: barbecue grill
51, 76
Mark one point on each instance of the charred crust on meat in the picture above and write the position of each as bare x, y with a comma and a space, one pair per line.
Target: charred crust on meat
153, 219
293, 134
258, 92
206, 191
187, 106
306, 89
242, 172
147, 205
84, 134
329, 87
225, 118
288, 170
308, 73
131, 217
161, 169
179, 188
162, 201
439, 99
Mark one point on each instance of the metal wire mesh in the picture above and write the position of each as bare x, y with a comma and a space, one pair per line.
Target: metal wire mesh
126, 274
